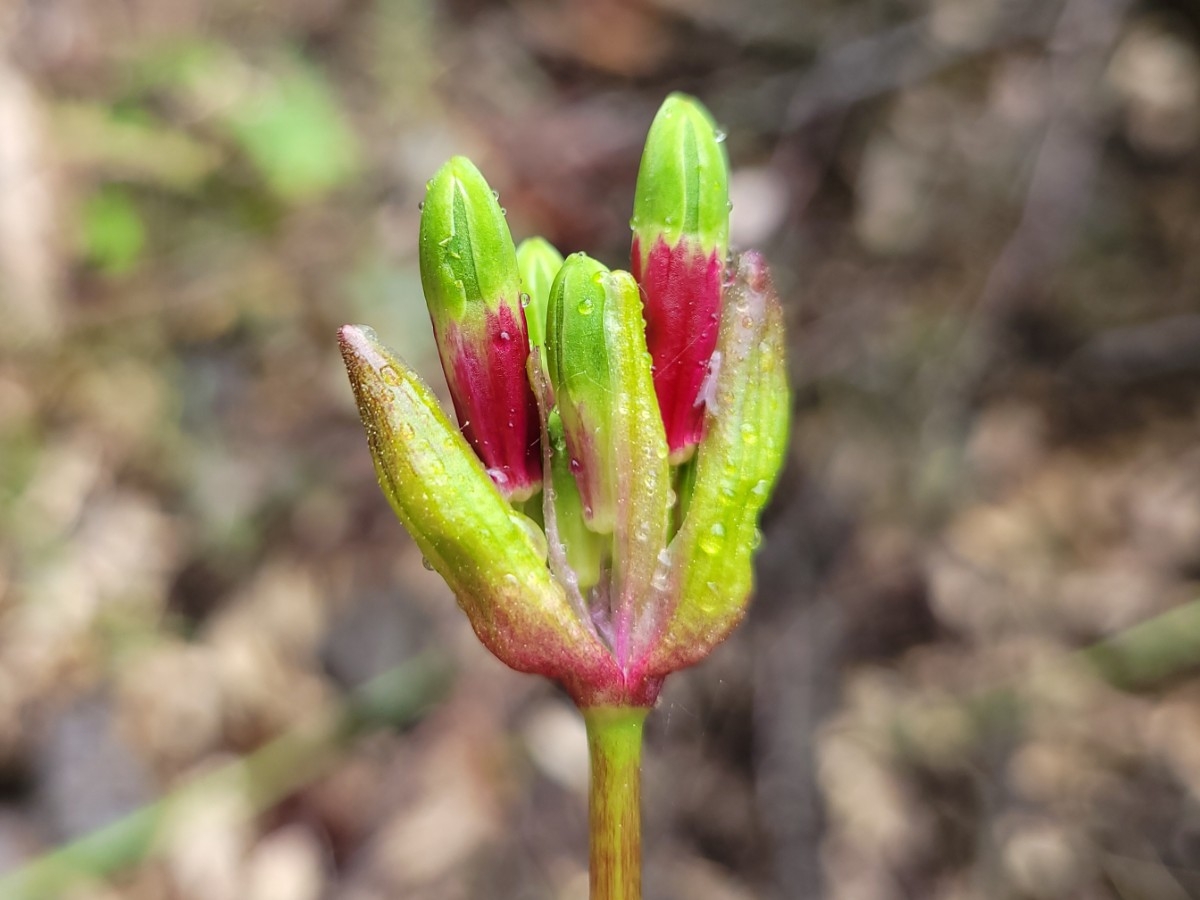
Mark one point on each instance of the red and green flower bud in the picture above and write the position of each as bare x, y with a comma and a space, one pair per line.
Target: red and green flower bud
710, 574
538, 262
680, 239
604, 391
490, 555
473, 289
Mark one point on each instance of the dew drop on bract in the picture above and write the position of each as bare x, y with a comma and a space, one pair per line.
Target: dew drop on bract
421, 206
498, 475
719, 135
427, 564
505, 336
525, 300
712, 540
585, 306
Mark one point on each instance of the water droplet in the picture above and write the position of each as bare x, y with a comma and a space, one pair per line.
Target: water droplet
719, 135
712, 541
525, 300
511, 580
421, 206
427, 564
756, 539
499, 476
585, 306
749, 434
729, 205
576, 465
534, 533
495, 194
661, 451
391, 376
503, 211
505, 336
661, 579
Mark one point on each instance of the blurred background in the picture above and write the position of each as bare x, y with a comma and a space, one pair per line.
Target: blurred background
971, 670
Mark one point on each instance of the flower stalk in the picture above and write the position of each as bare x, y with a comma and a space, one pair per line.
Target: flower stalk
615, 801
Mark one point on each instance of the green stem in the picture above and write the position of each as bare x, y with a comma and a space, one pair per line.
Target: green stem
615, 801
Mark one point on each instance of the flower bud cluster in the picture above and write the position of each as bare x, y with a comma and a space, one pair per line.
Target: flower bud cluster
596, 510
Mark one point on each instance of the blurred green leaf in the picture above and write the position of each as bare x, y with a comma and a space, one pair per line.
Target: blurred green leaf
112, 231
290, 126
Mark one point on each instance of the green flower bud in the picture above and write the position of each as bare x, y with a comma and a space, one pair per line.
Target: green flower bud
680, 238
538, 262
473, 290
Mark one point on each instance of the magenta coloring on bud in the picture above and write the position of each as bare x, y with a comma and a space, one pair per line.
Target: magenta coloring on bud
493, 400
682, 290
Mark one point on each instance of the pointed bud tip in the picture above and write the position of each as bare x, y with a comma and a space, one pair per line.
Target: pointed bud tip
359, 343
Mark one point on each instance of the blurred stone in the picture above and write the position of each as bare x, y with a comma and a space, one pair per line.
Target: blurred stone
1164, 513
88, 776
1007, 441
557, 741
285, 865
374, 632
171, 704
1043, 860
205, 842
893, 213
1113, 596
761, 202
1156, 72
450, 820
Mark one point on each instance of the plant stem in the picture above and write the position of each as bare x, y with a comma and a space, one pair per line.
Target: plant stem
615, 801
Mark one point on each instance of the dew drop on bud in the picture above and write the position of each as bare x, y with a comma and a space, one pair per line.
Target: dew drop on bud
495, 194
719, 135
505, 336
498, 476
525, 300
576, 465
421, 206
585, 306
427, 564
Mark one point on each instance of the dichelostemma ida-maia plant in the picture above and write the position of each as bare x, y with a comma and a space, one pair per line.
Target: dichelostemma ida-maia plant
596, 509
